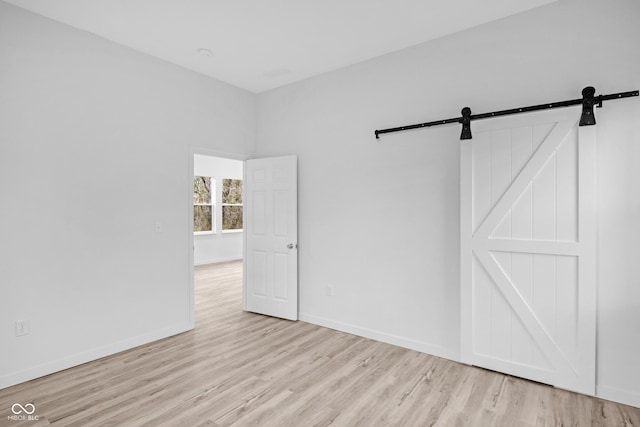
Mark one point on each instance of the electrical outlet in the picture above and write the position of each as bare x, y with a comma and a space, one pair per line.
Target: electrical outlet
22, 327
329, 290
158, 227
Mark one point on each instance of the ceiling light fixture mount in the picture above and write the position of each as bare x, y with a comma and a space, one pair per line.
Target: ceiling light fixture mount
203, 51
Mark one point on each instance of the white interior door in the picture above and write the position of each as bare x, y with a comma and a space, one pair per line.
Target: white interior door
271, 237
528, 294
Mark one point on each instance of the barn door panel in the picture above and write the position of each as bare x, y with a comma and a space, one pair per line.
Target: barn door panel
528, 248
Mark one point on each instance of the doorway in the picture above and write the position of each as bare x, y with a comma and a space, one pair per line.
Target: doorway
253, 205
217, 210
215, 213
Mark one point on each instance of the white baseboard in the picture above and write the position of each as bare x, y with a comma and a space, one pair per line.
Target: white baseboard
409, 343
217, 260
627, 397
88, 356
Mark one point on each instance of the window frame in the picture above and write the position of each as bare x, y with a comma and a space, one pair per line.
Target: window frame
212, 205
223, 204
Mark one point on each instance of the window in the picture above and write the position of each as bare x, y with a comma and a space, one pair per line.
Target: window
202, 205
231, 204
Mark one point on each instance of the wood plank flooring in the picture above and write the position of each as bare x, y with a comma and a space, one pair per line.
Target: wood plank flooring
243, 369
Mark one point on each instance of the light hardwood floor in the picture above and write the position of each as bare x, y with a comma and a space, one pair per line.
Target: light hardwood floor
244, 369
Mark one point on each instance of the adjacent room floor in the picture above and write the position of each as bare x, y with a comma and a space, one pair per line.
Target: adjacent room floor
245, 369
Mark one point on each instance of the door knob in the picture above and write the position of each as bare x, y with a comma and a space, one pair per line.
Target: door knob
291, 246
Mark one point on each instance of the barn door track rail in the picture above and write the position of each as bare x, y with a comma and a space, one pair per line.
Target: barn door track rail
588, 101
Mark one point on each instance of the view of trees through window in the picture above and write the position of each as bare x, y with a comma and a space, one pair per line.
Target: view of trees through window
232, 204
202, 205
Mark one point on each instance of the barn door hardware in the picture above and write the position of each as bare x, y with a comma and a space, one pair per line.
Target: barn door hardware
588, 101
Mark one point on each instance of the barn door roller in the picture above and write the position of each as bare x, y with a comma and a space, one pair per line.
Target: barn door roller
588, 101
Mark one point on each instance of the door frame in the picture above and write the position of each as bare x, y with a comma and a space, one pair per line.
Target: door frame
204, 151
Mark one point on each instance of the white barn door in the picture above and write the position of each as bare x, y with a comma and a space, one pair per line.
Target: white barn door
271, 237
528, 294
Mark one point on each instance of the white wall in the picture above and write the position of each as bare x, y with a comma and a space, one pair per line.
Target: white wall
94, 147
379, 220
94, 150
219, 246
